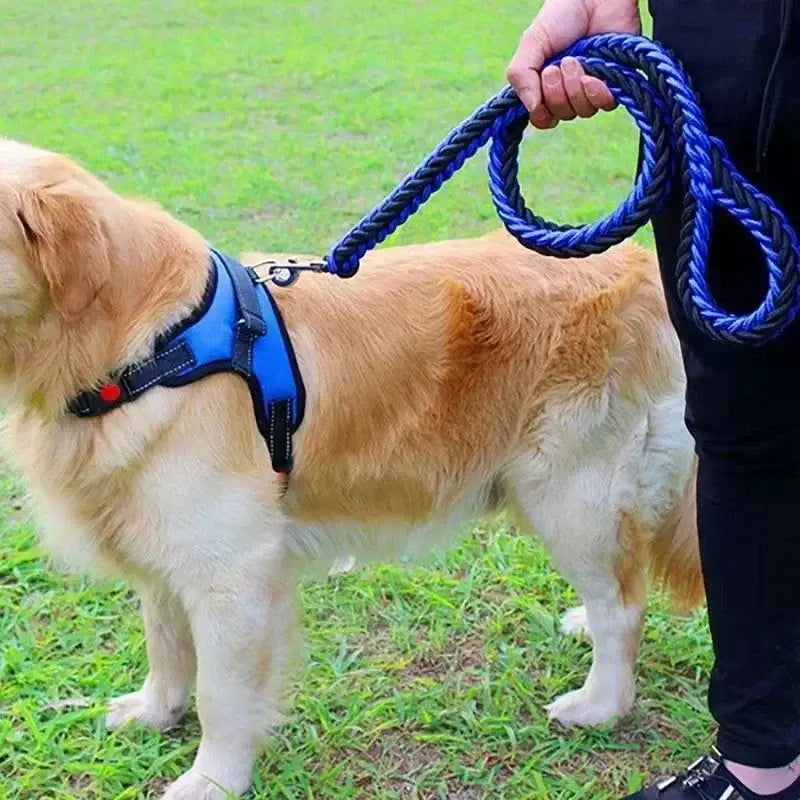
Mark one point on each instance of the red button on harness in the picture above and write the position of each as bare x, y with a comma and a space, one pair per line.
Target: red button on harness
110, 393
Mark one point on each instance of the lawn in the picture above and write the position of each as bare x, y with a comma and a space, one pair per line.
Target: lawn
274, 125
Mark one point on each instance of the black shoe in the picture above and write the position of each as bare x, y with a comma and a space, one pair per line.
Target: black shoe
706, 779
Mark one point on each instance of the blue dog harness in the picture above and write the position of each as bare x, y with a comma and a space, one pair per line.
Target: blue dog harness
237, 328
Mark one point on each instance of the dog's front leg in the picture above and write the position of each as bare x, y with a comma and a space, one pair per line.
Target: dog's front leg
163, 698
244, 631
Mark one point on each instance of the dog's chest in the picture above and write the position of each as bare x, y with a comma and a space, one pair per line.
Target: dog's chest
176, 527
150, 496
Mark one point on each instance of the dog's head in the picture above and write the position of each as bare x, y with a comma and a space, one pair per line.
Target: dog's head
54, 250
81, 268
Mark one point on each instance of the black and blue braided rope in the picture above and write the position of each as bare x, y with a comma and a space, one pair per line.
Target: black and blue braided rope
651, 84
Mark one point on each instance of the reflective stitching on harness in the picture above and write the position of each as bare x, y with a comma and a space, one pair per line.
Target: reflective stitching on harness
272, 429
288, 432
177, 368
151, 361
250, 353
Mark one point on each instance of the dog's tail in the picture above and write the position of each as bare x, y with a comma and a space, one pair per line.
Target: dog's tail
675, 551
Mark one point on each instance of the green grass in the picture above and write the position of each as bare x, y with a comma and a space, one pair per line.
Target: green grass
275, 125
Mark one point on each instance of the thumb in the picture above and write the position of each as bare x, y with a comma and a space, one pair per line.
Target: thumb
523, 70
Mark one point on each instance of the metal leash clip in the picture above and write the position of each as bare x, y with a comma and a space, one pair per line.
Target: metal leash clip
284, 271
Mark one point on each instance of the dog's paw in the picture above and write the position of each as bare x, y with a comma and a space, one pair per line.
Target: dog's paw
585, 708
576, 623
142, 708
193, 786
342, 565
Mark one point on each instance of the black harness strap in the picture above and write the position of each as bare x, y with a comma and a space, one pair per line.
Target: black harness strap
148, 373
280, 435
131, 382
250, 325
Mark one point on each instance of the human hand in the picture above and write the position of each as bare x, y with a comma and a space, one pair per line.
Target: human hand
565, 92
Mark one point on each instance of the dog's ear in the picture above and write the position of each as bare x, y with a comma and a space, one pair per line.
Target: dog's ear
67, 242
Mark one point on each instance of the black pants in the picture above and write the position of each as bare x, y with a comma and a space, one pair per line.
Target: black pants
743, 407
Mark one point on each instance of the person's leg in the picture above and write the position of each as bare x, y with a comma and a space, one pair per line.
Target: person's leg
743, 406
750, 547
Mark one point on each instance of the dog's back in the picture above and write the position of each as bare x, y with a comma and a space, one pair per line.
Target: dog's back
443, 363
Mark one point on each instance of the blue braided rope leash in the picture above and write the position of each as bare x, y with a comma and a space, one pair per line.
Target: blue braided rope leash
651, 84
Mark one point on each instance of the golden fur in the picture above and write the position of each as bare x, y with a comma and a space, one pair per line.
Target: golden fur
442, 380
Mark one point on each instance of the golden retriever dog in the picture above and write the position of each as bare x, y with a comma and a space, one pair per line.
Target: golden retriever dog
443, 381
